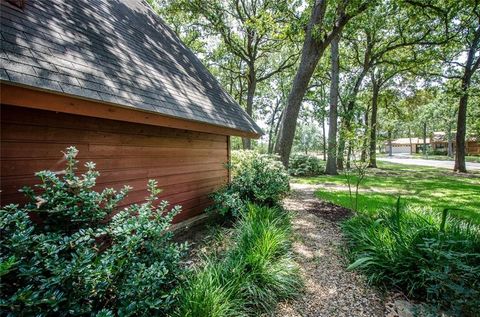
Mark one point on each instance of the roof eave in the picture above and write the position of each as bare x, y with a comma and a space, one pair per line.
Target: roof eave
38, 98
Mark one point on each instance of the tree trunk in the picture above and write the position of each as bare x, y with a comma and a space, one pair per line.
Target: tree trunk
363, 156
314, 46
390, 150
341, 144
373, 126
470, 66
460, 165
272, 128
324, 145
450, 142
349, 153
410, 139
331, 167
347, 119
251, 87
425, 138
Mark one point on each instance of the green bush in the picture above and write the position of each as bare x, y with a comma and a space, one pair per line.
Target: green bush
305, 165
71, 261
257, 178
431, 257
252, 276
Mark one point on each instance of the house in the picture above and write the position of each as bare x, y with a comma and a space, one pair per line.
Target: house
110, 77
406, 145
440, 143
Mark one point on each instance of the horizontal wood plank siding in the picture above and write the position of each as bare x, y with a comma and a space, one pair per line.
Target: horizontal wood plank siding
188, 165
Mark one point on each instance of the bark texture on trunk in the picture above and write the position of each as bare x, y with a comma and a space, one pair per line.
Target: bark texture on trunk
363, 156
450, 142
425, 138
324, 145
471, 66
341, 144
373, 125
314, 46
331, 167
251, 87
460, 165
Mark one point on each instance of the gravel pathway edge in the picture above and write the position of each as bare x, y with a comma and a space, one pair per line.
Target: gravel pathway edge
330, 290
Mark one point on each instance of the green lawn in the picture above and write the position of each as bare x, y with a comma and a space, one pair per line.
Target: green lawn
421, 186
473, 159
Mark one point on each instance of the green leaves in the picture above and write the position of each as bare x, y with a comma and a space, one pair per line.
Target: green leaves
257, 178
430, 256
73, 262
251, 276
305, 165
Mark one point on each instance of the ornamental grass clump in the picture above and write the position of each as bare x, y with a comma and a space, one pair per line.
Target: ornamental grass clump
60, 255
251, 276
430, 256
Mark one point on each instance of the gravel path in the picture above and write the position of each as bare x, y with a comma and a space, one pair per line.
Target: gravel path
330, 290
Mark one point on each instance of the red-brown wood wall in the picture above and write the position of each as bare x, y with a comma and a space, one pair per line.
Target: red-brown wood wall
187, 165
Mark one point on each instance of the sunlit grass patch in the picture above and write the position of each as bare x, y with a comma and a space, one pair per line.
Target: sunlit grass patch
418, 186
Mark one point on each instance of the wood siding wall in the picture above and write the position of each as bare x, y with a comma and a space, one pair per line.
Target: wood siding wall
188, 165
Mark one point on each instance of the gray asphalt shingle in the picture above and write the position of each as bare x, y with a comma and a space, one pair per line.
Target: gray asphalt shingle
114, 51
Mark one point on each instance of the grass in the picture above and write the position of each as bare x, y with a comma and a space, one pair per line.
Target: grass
429, 256
471, 159
417, 186
251, 276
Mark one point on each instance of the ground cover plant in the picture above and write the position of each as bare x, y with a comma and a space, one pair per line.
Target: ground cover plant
429, 256
305, 165
249, 277
60, 255
256, 178
254, 268
420, 186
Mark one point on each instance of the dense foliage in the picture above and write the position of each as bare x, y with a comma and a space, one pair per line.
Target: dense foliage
60, 255
305, 165
252, 275
429, 256
257, 178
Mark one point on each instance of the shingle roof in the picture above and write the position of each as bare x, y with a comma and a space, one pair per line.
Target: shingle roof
115, 51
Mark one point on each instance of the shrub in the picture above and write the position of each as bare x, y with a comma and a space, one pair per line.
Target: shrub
250, 277
257, 178
71, 261
305, 165
428, 256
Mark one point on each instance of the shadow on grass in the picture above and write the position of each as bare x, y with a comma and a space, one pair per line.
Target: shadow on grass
420, 186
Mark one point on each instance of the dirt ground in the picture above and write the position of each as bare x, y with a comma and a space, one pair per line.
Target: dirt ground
330, 290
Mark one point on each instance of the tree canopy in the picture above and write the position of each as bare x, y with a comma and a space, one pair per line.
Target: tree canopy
341, 76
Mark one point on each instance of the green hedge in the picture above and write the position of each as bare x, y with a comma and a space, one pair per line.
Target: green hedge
71, 261
256, 178
305, 165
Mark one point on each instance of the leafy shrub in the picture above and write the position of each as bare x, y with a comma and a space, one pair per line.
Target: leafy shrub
252, 276
257, 178
71, 261
430, 257
305, 165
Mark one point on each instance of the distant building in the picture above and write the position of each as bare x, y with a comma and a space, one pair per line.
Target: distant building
406, 145
438, 143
